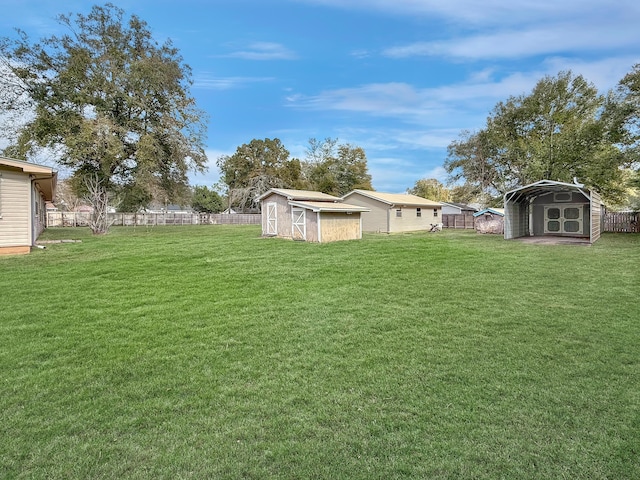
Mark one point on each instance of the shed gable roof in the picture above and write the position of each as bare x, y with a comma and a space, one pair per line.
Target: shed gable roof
544, 186
399, 199
329, 207
301, 195
495, 211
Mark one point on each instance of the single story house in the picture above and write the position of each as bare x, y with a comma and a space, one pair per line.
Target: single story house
450, 208
309, 216
550, 208
489, 220
395, 212
25, 189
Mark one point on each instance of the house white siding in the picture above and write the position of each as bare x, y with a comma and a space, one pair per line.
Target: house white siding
388, 217
377, 220
15, 209
409, 221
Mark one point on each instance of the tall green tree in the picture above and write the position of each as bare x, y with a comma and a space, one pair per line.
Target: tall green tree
335, 168
256, 167
556, 132
111, 101
431, 189
206, 200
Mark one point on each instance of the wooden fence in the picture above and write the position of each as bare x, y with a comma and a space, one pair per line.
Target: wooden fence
626, 222
458, 220
81, 219
623, 222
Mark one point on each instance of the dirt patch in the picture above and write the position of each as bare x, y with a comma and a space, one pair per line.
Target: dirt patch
550, 240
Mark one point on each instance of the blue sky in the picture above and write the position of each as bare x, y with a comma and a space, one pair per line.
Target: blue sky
399, 78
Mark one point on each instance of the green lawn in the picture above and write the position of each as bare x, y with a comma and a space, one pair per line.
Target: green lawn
209, 352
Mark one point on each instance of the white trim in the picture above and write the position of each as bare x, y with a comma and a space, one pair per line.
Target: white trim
296, 224
272, 220
561, 219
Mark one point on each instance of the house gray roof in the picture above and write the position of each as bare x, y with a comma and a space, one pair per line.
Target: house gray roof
461, 206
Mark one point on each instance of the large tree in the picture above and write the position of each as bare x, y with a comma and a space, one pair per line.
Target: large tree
431, 189
335, 168
111, 101
254, 168
556, 132
206, 200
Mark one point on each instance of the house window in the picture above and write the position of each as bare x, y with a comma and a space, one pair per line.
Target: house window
435, 212
398, 212
418, 212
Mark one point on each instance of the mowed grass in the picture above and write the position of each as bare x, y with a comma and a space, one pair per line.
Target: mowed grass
209, 352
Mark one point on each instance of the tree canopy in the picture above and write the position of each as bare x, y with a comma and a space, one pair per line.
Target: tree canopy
558, 132
431, 189
335, 168
259, 165
206, 200
112, 102
254, 168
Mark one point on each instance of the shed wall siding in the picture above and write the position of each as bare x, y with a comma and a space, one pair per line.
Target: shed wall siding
312, 225
596, 216
283, 209
15, 224
489, 223
338, 226
515, 220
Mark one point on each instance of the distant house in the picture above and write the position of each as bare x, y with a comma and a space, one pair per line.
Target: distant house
309, 216
395, 212
25, 188
549, 208
489, 220
450, 208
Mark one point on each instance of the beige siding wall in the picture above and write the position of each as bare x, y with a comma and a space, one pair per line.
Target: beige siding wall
283, 215
377, 219
410, 221
15, 209
339, 226
312, 225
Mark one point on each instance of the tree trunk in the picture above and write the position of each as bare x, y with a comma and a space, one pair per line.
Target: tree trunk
98, 197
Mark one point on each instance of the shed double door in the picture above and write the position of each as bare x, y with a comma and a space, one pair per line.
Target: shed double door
563, 219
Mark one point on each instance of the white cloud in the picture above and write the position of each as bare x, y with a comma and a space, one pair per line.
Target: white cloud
208, 81
527, 42
492, 12
263, 51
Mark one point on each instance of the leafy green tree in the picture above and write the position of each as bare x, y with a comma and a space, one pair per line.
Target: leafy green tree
335, 168
133, 198
557, 132
112, 102
256, 167
205, 200
431, 189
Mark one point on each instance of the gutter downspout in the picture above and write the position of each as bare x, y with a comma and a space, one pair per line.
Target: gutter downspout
32, 212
